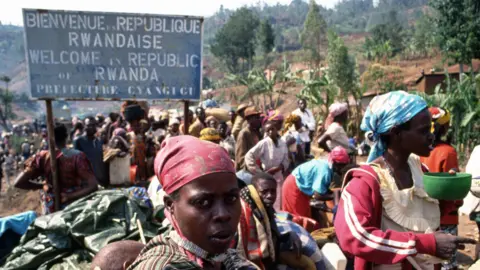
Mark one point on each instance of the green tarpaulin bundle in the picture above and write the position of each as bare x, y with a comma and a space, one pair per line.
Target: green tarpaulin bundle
69, 239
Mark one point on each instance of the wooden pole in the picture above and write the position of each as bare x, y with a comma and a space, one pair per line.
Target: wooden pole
186, 121
53, 159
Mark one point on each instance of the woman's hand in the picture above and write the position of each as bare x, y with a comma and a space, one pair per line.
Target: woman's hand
453, 171
447, 244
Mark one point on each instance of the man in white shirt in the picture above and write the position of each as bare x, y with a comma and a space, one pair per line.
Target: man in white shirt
309, 123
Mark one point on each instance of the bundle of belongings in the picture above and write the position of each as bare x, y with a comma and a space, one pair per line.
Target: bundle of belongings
11, 230
73, 236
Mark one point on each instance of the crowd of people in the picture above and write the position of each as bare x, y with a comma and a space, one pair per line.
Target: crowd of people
248, 193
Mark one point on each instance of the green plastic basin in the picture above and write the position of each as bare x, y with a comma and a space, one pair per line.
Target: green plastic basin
445, 186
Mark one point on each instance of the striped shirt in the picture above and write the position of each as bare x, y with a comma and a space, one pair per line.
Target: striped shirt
163, 253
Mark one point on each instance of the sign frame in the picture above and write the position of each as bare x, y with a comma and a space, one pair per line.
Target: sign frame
202, 25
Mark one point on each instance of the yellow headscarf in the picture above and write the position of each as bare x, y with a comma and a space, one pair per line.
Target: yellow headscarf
439, 116
290, 121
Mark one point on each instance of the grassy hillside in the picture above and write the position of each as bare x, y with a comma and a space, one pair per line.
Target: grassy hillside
350, 18
12, 50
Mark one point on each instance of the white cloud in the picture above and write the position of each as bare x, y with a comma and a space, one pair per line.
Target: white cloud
11, 11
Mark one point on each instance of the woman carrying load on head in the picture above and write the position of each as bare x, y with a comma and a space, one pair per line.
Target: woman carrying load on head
276, 118
443, 158
385, 219
211, 135
335, 134
134, 113
202, 206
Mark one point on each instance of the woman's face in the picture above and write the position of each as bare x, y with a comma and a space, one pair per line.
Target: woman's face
418, 139
278, 125
208, 211
271, 131
175, 127
222, 129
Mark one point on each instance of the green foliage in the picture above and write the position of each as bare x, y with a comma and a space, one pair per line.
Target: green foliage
251, 81
383, 79
341, 66
266, 37
457, 25
236, 40
462, 100
6, 111
259, 83
400, 3
11, 47
206, 83
387, 40
266, 41
313, 37
349, 16
319, 92
6, 101
423, 40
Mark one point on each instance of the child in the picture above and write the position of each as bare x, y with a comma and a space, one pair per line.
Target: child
117, 255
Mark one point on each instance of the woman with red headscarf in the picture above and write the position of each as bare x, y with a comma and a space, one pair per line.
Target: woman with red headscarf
312, 179
202, 206
443, 158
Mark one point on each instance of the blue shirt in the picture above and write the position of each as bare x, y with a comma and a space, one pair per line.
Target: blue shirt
313, 176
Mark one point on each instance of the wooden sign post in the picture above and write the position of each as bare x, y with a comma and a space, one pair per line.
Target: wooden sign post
186, 117
53, 154
163, 63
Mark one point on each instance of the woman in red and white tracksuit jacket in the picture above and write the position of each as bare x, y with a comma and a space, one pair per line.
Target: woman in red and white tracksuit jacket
399, 124
358, 222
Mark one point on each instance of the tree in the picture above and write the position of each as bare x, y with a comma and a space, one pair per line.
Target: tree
313, 35
457, 25
423, 40
236, 40
387, 40
266, 40
342, 71
383, 79
319, 92
6, 80
253, 83
462, 100
341, 66
6, 99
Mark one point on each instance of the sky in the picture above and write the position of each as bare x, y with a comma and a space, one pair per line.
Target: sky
11, 11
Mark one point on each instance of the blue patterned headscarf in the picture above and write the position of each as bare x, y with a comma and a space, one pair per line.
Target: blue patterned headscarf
385, 112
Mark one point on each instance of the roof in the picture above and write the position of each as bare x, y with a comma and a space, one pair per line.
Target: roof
455, 69
370, 93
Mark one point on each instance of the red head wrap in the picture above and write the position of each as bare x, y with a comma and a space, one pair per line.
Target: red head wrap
339, 155
186, 158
